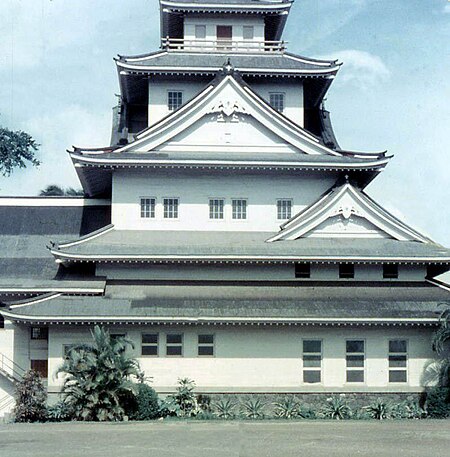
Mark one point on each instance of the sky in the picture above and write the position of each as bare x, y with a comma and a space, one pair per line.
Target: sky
58, 82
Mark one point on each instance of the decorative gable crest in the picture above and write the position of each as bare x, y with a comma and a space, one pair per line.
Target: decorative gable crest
346, 211
228, 110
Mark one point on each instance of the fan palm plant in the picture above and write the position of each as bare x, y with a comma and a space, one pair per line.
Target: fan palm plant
96, 376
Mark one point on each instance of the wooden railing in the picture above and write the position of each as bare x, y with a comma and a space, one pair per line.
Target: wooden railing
244, 46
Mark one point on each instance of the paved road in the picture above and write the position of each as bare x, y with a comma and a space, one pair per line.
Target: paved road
217, 439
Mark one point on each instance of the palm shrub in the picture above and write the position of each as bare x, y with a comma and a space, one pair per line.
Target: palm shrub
439, 342
287, 408
408, 410
31, 399
437, 405
97, 376
183, 403
60, 412
336, 408
380, 409
253, 408
225, 408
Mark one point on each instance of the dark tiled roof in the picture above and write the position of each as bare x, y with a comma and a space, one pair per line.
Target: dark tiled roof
245, 63
234, 302
219, 246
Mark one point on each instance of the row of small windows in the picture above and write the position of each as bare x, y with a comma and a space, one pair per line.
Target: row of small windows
216, 208
355, 359
346, 271
175, 100
225, 32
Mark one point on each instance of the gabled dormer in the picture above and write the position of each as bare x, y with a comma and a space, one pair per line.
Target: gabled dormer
223, 25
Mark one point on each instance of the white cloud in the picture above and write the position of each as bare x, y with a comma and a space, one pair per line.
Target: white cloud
360, 68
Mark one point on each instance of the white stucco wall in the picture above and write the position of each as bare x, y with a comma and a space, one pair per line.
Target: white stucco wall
265, 358
195, 190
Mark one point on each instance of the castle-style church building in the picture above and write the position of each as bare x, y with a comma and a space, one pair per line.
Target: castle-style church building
224, 230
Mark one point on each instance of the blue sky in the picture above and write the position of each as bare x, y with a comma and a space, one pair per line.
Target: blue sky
58, 80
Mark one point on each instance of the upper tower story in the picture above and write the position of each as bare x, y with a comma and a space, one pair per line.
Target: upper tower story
224, 25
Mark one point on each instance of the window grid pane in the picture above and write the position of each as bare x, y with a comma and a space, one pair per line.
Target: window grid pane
312, 361
149, 344
277, 101
355, 360
170, 208
216, 208
284, 209
39, 333
346, 271
148, 208
206, 345
239, 209
174, 100
398, 361
174, 344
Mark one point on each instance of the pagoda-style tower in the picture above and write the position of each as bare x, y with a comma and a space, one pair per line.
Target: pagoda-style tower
242, 250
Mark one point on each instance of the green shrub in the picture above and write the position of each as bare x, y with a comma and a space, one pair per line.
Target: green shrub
183, 403
60, 412
336, 408
31, 399
408, 410
147, 404
253, 408
287, 408
307, 412
438, 402
379, 410
204, 403
225, 409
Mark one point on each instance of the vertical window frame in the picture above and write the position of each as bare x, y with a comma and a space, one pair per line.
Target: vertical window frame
312, 354
392, 369
284, 209
151, 344
216, 208
148, 207
277, 100
174, 99
197, 28
171, 345
248, 36
206, 345
349, 369
171, 208
239, 209
38, 333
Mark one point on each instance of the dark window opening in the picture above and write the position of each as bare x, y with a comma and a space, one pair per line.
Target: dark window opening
41, 366
303, 270
390, 271
39, 333
346, 271
436, 270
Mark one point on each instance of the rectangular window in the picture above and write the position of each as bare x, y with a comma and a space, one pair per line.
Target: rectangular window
171, 208
200, 32
174, 344
355, 358
346, 271
277, 101
206, 345
312, 361
390, 271
239, 208
248, 32
149, 344
39, 333
174, 100
303, 270
398, 361
148, 208
216, 208
284, 209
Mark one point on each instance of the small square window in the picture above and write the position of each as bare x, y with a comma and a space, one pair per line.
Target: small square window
171, 208
303, 270
346, 271
390, 271
174, 100
248, 32
39, 333
200, 32
239, 209
216, 208
149, 344
148, 208
284, 209
206, 345
174, 344
277, 101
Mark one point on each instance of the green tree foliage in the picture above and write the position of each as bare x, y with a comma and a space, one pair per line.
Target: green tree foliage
147, 405
16, 149
98, 375
31, 399
440, 342
54, 191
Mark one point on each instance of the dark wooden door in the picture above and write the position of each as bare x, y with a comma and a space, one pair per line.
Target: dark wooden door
41, 366
224, 36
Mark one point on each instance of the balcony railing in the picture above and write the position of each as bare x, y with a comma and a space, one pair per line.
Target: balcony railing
225, 46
